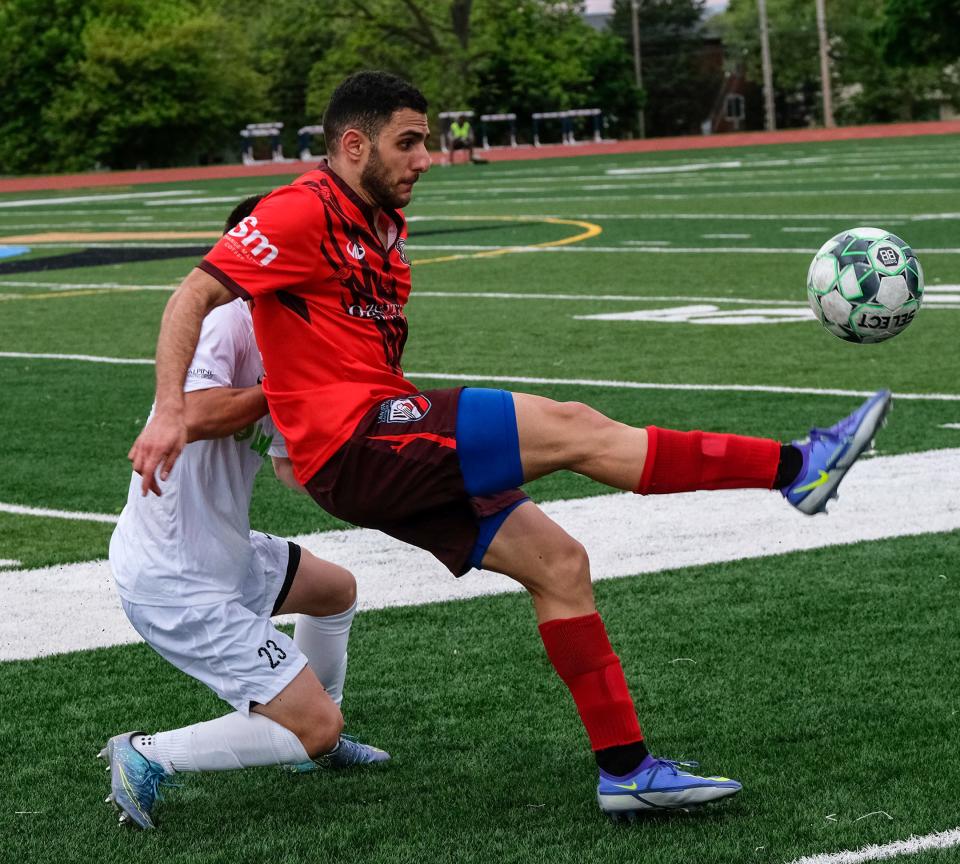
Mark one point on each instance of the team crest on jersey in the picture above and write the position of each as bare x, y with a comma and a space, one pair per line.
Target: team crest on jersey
402, 251
355, 250
406, 410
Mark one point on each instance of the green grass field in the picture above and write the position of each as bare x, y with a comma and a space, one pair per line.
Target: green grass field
825, 680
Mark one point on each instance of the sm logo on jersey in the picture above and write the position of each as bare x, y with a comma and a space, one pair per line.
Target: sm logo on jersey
355, 250
246, 229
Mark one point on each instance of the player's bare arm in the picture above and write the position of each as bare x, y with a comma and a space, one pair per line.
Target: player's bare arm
221, 411
283, 468
161, 442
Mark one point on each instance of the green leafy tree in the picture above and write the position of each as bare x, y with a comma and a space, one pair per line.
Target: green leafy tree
39, 47
287, 43
679, 83
792, 30
428, 42
488, 55
156, 82
922, 32
867, 86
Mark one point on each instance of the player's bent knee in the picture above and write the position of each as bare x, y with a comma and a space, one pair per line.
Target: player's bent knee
563, 572
319, 731
571, 564
321, 588
343, 593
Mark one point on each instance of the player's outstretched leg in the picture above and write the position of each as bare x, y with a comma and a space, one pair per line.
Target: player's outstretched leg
135, 780
660, 784
829, 453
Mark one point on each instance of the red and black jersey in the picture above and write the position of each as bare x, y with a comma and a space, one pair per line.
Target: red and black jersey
328, 316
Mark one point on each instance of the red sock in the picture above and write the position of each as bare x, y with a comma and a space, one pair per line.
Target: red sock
582, 655
687, 461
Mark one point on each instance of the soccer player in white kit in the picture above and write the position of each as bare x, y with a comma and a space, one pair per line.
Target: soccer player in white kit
199, 586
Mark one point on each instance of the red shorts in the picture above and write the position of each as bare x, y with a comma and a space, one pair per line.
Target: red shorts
400, 473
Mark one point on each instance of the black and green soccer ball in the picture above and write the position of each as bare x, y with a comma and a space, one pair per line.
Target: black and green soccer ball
865, 285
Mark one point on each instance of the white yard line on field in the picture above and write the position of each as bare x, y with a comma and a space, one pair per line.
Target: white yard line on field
74, 515
70, 286
573, 382
858, 218
625, 534
642, 250
93, 199
910, 846
84, 358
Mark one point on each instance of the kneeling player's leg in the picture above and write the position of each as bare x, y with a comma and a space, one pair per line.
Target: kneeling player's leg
555, 570
325, 595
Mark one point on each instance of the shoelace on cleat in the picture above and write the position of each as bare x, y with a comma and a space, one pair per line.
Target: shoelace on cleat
158, 779
674, 765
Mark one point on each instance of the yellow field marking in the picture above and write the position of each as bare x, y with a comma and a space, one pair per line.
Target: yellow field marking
590, 230
98, 236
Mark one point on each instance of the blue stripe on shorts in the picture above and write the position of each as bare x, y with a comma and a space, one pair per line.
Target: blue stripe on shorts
487, 441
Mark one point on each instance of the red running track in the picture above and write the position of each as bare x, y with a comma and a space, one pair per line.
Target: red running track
505, 154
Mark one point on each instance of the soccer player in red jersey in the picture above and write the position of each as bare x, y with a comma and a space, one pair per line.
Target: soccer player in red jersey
324, 260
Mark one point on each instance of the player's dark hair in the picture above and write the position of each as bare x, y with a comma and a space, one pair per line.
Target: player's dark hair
366, 101
241, 211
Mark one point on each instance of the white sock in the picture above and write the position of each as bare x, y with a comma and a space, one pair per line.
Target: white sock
323, 641
231, 741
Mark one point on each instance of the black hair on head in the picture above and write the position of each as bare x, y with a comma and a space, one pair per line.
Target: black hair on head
241, 211
366, 101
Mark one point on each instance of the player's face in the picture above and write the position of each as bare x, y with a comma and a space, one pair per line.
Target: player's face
397, 158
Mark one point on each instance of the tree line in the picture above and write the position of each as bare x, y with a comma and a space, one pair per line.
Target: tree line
127, 83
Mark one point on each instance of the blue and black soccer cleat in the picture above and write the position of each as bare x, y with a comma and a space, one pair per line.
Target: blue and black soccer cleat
348, 754
829, 453
134, 781
658, 785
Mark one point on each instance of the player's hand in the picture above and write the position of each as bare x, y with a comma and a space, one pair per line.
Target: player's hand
158, 446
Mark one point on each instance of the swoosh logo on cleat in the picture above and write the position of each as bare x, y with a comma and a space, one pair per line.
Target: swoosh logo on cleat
824, 476
630, 787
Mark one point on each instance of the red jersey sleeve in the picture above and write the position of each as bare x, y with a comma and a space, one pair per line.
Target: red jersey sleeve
275, 247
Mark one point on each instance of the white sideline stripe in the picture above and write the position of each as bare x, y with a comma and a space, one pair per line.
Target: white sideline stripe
858, 218
720, 388
9, 562
643, 250
69, 286
950, 425
678, 169
628, 298
488, 295
74, 199
57, 514
86, 358
574, 382
903, 495
910, 846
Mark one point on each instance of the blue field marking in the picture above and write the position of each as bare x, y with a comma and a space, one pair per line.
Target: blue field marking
12, 251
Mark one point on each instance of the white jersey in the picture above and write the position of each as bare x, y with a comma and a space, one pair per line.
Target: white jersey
191, 545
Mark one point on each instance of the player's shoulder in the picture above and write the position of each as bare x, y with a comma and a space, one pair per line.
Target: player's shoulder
302, 194
230, 321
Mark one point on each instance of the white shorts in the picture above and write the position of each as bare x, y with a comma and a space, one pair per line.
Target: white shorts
232, 646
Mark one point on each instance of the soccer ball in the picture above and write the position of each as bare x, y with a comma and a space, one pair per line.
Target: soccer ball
865, 285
